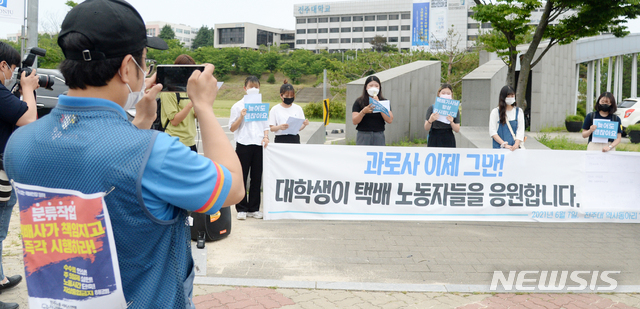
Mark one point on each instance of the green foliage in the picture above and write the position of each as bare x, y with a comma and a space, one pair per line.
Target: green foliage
71, 4
553, 129
271, 60
560, 143
406, 142
293, 69
337, 110
204, 37
54, 53
574, 118
271, 79
379, 43
218, 57
634, 127
168, 56
166, 33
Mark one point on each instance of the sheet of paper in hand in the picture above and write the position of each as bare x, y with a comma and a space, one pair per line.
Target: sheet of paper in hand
381, 106
446, 107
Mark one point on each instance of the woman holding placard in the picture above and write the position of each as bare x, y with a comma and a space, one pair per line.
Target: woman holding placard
506, 122
370, 121
441, 132
284, 113
605, 109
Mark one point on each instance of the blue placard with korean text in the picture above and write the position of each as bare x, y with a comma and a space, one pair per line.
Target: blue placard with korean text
446, 107
606, 129
378, 107
257, 112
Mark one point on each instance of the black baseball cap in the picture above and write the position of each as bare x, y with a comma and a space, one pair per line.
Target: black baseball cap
114, 27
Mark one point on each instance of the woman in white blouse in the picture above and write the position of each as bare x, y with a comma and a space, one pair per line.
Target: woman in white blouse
506, 122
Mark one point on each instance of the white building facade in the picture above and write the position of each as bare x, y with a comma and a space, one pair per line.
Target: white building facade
250, 35
184, 33
407, 24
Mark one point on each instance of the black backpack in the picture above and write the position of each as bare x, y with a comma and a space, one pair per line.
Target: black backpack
157, 124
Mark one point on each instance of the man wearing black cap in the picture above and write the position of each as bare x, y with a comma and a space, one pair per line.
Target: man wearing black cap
86, 144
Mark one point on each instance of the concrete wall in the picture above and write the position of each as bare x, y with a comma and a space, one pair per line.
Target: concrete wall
553, 86
411, 88
480, 93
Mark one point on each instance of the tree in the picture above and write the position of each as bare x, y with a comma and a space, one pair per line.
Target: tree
451, 53
271, 60
583, 18
71, 4
167, 33
378, 43
203, 38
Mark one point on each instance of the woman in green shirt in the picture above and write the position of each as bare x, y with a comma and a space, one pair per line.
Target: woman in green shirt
178, 109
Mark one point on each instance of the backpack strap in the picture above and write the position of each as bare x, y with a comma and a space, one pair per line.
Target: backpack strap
178, 98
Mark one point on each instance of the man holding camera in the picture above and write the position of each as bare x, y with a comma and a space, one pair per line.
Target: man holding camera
13, 113
86, 144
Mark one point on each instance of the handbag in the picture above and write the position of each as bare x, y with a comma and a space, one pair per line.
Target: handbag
5, 185
514, 136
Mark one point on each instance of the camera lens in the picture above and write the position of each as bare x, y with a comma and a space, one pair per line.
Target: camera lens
45, 81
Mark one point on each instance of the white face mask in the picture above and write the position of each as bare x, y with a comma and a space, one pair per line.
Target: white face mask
446, 96
134, 97
253, 91
373, 91
510, 101
8, 82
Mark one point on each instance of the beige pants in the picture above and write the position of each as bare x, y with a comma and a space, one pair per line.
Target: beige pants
598, 146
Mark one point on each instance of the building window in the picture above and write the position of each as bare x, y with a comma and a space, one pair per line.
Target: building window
368, 40
287, 37
357, 40
334, 19
473, 26
345, 40
187, 32
323, 20
323, 30
470, 14
369, 29
392, 40
311, 41
381, 28
231, 36
394, 17
312, 20
393, 28
301, 31
322, 41
382, 17
300, 42
370, 17
150, 32
178, 30
357, 29
472, 37
345, 18
405, 28
264, 38
406, 16
357, 18
405, 39
312, 30
333, 41
301, 21
334, 30
486, 25
347, 29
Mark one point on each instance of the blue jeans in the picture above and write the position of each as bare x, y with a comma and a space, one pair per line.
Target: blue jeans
5, 216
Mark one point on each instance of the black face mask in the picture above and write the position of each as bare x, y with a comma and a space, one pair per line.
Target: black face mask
288, 101
605, 107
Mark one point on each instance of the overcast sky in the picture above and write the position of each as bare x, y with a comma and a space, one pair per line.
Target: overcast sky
196, 13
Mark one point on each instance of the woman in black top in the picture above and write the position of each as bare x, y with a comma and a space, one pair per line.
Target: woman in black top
440, 133
370, 125
605, 109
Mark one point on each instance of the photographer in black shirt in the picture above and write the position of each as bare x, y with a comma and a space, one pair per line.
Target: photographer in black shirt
13, 113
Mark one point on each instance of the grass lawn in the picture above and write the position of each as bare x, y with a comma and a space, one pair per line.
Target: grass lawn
562, 143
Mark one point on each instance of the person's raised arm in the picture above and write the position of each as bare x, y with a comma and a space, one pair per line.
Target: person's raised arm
28, 84
202, 90
147, 107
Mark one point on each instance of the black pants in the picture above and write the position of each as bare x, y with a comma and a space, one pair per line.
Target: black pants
251, 160
287, 139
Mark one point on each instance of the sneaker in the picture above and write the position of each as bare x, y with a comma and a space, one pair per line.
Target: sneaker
242, 215
9, 305
11, 282
255, 214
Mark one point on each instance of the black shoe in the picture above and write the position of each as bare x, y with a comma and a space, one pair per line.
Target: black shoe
11, 282
8, 305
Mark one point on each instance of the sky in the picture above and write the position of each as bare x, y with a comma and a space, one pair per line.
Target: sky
196, 13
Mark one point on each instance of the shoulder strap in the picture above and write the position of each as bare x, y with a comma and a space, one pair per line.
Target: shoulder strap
509, 124
178, 98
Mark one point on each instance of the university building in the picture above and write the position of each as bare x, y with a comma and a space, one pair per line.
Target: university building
250, 35
185, 34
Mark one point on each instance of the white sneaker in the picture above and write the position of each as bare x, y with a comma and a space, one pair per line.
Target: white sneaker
242, 215
255, 214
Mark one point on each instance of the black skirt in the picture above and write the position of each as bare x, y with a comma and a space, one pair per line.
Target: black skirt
287, 139
441, 138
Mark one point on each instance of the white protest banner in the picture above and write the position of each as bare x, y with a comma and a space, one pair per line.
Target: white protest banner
331, 182
12, 11
70, 258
